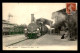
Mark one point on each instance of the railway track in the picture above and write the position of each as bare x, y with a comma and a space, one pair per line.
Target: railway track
26, 41
16, 42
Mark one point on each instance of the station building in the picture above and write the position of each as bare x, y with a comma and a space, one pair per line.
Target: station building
6, 26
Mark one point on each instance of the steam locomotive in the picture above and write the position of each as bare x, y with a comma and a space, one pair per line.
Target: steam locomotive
34, 30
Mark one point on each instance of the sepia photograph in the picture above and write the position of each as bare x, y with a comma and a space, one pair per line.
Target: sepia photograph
40, 26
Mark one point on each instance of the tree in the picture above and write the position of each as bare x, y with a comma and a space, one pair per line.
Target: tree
44, 21
59, 25
68, 21
73, 25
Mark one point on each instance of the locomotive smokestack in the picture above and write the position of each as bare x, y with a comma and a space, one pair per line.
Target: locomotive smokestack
32, 18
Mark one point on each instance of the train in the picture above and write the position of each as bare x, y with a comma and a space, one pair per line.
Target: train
35, 29
32, 31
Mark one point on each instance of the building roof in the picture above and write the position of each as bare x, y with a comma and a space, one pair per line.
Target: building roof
62, 10
6, 22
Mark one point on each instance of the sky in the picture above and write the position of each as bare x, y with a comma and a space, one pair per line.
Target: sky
22, 11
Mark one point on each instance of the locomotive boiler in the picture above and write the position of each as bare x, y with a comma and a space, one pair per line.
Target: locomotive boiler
33, 31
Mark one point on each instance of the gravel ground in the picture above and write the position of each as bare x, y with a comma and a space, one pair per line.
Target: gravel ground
45, 42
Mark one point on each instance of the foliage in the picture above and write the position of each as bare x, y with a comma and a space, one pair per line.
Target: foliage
19, 29
71, 23
44, 21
